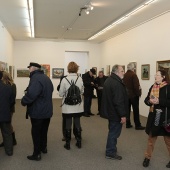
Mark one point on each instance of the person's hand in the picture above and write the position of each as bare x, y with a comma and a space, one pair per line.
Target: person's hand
123, 120
154, 100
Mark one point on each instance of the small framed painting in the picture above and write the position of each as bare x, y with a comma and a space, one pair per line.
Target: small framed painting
57, 72
145, 71
23, 73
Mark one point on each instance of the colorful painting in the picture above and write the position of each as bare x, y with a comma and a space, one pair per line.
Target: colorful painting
163, 65
46, 69
57, 72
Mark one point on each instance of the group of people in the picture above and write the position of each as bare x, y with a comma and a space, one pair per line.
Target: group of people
116, 94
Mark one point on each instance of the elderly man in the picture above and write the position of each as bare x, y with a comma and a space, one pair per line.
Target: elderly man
88, 81
131, 82
38, 100
114, 108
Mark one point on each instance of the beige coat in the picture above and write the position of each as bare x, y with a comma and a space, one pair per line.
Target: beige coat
69, 109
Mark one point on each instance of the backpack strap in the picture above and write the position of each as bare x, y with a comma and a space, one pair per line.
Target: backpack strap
77, 79
67, 80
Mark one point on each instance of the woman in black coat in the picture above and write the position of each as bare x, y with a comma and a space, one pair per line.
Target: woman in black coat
158, 99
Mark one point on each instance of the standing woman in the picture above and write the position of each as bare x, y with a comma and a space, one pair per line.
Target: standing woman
158, 99
7, 79
72, 111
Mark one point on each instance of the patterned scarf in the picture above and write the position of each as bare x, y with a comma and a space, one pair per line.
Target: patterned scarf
155, 91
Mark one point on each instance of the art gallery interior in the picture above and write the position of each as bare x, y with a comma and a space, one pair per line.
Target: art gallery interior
114, 32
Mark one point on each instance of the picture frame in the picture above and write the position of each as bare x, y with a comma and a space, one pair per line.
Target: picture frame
163, 65
46, 69
145, 71
57, 72
107, 70
23, 73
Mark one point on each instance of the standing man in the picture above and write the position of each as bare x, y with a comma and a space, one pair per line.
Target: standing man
114, 108
38, 99
131, 82
88, 81
7, 101
99, 82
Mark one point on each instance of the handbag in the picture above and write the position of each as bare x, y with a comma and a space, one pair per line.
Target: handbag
166, 123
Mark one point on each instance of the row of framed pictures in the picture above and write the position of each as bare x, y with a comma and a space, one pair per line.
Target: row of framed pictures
145, 68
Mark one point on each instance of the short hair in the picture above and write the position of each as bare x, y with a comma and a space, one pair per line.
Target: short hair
6, 78
72, 67
101, 72
1, 74
115, 68
131, 66
165, 74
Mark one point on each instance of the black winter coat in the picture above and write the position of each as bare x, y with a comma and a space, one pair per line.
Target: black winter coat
163, 103
88, 88
114, 99
39, 96
7, 100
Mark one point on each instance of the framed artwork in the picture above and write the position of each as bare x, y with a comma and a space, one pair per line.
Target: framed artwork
108, 70
57, 72
135, 64
163, 65
145, 71
46, 69
23, 73
3, 66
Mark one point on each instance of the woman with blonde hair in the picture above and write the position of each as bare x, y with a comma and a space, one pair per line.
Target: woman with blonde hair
70, 109
158, 99
7, 79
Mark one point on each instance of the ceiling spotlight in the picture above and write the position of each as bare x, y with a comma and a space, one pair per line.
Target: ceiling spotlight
87, 12
87, 9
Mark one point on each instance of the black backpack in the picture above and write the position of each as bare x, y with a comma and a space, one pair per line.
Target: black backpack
73, 94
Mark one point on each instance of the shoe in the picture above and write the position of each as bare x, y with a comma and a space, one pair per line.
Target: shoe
91, 114
114, 157
2, 144
146, 162
34, 157
168, 165
129, 126
9, 153
140, 128
44, 150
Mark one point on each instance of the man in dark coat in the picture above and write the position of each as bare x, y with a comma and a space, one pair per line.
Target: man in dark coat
38, 99
7, 101
114, 108
99, 83
88, 81
131, 82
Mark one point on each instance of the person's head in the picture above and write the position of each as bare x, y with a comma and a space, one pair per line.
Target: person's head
34, 66
92, 72
100, 74
1, 74
118, 70
131, 66
6, 78
160, 76
72, 67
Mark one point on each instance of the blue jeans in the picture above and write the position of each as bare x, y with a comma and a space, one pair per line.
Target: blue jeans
114, 132
87, 104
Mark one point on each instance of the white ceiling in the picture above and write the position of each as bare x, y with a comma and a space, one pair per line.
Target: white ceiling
60, 20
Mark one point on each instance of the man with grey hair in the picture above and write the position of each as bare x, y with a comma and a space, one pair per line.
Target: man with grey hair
114, 108
131, 82
38, 100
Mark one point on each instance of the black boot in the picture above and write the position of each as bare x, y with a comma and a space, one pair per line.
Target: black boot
78, 137
34, 157
13, 137
68, 138
146, 162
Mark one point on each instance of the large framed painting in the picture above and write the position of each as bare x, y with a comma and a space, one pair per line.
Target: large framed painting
108, 70
46, 69
57, 72
145, 72
23, 73
163, 65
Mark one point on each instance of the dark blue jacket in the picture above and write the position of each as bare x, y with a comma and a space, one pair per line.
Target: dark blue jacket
7, 100
38, 97
114, 99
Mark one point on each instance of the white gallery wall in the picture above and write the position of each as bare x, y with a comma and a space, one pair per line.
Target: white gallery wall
6, 45
145, 44
52, 53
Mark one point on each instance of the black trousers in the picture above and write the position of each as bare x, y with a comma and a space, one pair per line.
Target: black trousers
134, 102
99, 99
87, 104
39, 134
